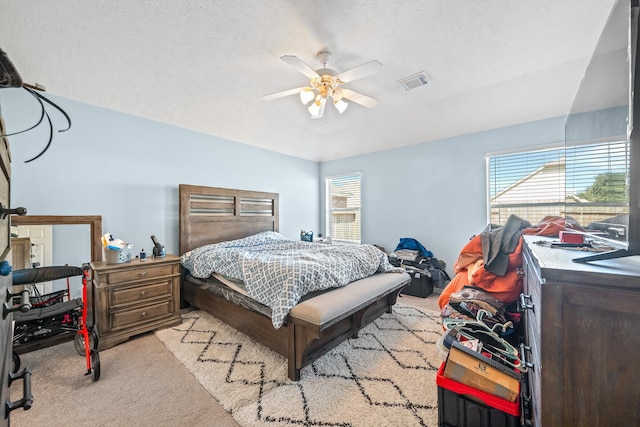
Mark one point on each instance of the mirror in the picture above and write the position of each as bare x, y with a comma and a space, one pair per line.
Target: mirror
56, 240
93, 221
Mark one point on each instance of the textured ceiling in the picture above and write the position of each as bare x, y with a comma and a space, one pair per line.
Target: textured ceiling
204, 65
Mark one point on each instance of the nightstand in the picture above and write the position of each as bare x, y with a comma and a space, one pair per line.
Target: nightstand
134, 297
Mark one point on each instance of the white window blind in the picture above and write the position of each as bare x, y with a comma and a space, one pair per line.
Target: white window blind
343, 202
588, 183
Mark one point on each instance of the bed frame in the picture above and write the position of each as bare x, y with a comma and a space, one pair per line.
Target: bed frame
211, 215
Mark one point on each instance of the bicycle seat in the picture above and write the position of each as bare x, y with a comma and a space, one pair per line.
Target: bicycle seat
44, 274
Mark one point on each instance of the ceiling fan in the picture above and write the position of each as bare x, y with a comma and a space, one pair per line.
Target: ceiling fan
325, 85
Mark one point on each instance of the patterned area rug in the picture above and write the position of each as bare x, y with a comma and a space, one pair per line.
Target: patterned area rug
385, 377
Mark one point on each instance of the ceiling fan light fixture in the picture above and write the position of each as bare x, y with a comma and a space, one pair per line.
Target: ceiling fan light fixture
336, 94
307, 95
340, 105
317, 108
314, 108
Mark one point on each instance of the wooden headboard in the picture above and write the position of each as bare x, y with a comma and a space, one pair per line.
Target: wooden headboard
212, 214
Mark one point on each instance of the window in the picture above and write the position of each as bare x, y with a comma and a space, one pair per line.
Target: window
588, 183
343, 206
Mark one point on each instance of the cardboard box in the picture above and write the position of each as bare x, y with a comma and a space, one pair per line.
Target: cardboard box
475, 370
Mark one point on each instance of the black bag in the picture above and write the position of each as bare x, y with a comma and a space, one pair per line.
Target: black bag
425, 266
421, 284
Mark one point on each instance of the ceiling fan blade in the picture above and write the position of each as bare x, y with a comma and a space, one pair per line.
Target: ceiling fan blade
277, 95
359, 98
363, 70
296, 63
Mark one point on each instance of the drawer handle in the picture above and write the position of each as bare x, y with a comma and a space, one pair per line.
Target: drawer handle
523, 350
526, 305
144, 273
143, 314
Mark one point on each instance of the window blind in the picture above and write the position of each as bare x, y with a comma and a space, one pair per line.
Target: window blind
343, 201
588, 183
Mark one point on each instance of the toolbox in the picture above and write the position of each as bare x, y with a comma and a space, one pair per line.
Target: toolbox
460, 405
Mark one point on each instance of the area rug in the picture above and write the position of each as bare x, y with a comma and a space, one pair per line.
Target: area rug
385, 377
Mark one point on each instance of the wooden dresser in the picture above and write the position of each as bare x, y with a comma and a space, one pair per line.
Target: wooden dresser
582, 332
134, 297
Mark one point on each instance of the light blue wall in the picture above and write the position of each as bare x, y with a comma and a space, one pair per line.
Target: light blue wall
127, 169
434, 192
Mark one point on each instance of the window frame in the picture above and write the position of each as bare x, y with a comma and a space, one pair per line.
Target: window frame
355, 210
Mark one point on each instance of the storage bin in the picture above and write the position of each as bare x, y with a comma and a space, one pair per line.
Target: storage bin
463, 406
118, 256
421, 285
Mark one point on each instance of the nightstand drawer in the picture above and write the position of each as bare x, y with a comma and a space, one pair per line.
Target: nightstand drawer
135, 294
138, 316
140, 274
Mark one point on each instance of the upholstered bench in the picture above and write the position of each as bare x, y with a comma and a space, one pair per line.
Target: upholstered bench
334, 316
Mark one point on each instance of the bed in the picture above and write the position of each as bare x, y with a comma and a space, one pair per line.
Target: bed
316, 324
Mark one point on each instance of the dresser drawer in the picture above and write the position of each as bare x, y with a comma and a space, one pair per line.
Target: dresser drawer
136, 294
532, 328
535, 395
140, 273
532, 357
139, 315
532, 284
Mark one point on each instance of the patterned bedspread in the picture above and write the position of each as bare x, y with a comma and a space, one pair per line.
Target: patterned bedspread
278, 271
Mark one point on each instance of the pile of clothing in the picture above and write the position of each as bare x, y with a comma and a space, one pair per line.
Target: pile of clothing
492, 259
466, 304
478, 307
481, 323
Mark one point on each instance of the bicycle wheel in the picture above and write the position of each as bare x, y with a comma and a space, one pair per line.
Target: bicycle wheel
78, 341
95, 365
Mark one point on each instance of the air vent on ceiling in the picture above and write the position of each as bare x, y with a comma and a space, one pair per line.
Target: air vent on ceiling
414, 81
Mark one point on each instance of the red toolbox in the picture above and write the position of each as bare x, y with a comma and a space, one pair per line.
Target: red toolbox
462, 406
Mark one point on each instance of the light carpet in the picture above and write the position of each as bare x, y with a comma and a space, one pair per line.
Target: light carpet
385, 377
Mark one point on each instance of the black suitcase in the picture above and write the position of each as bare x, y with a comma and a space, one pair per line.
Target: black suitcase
421, 283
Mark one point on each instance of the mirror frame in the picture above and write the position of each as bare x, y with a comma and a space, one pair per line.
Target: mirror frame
94, 221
